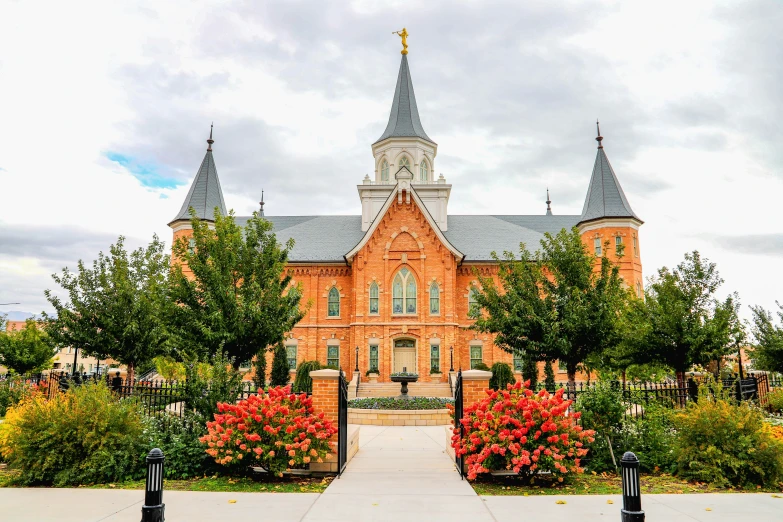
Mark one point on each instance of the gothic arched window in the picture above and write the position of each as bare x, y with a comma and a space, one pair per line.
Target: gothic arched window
434, 299
423, 174
385, 171
405, 162
404, 293
374, 298
334, 303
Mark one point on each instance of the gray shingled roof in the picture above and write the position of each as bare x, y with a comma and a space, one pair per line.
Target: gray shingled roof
605, 196
329, 238
404, 119
205, 193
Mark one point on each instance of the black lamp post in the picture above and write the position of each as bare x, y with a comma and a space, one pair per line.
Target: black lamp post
632, 498
357, 359
451, 356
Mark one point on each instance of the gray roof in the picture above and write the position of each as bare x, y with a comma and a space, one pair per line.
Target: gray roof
605, 196
205, 193
404, 119
329, 238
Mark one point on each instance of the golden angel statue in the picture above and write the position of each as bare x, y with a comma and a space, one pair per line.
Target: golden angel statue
404, 35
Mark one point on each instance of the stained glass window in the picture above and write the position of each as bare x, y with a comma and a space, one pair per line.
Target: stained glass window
405, 162
373, 357
334, 302
434, 299
404, 293
434, 358
473, 307
374, 298
291, 356
476, 355
333, 356
517, 362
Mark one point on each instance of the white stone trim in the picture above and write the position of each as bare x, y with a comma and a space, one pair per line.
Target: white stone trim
610, 223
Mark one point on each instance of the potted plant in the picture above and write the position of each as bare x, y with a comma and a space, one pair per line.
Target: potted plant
372, 374
404, 377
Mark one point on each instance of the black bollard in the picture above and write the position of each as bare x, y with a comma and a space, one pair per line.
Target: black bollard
152, 510
632, 495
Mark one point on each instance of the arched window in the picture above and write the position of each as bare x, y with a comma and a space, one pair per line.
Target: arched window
423, 175
334, 302
405, 162
374, 298
404, 293
385, 171
473, 306
434, 299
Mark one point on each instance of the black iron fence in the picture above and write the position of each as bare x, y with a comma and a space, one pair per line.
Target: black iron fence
342, 424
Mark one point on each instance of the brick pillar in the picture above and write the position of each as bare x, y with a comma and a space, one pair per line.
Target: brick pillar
474, 386
325, 399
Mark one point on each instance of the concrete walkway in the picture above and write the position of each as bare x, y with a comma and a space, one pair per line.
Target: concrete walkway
399, 473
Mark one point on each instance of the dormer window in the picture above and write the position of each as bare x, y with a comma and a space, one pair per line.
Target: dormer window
385, 171
423, 174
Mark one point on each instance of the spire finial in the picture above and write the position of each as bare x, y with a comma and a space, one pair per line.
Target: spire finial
548, 203
210, 141
262, 202
599, 138
404, 35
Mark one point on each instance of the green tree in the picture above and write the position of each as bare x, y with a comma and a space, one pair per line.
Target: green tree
549, 377
280, 375
117, 308
237, 297
259, 377
501, 376
28, 350
530, 370
680, 322
553, 304
768, 350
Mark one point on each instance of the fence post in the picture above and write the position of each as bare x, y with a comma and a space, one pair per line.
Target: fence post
632, 496
152, 510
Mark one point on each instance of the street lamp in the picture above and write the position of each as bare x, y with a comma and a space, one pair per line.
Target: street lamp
357, 359
451, 356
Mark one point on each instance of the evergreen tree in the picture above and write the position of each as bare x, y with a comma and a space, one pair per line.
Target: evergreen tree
553, 304
280, 376
549, 376
530, 371
116, 309
237, 296
259, 364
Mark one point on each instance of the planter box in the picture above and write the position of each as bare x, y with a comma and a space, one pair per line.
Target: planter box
399, 417
436, 377
373, 377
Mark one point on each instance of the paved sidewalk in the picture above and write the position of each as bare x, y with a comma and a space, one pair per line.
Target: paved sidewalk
399, 474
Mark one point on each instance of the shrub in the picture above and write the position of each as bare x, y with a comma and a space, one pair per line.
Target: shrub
303, 383
393, 403
602, 411
83, 436
203, 390
280, 375
13, 391
726, 444
651, 437
518, 430
276, 431
178, 438
481, 366
775, 400
501, 376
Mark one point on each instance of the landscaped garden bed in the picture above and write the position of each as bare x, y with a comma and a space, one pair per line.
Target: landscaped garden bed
393, 403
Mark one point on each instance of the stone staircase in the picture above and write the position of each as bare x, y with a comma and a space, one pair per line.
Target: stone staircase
415, 389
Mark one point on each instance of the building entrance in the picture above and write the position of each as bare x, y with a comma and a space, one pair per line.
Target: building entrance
405, 356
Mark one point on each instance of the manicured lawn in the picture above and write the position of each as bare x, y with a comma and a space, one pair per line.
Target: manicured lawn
216, 483
599, 484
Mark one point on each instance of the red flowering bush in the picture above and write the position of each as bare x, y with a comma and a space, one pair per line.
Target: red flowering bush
516, 429
276, 431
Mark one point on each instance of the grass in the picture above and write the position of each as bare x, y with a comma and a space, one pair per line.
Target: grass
597, 484
266, 484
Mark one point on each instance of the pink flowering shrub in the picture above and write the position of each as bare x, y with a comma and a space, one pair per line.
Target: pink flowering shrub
276, 431
521, 431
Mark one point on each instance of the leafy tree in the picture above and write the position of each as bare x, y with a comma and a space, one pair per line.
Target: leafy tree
549, 376
28, 350
553, 304
280, 375
680, 322
768, 350
168, 368
231, 288
117, 308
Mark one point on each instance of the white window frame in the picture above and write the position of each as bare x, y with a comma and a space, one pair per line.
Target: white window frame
598, 247
404, 298
375, 298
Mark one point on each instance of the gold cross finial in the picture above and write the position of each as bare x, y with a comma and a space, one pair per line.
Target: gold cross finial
404, 35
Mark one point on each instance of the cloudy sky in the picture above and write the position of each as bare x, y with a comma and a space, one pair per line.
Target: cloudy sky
105, 106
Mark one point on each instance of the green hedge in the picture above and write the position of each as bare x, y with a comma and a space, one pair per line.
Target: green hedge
393, 403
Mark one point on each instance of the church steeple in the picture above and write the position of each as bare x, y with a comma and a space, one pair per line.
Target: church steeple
605, 197
404, 119
205, 193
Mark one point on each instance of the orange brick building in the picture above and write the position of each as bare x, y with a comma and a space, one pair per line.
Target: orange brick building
394, 284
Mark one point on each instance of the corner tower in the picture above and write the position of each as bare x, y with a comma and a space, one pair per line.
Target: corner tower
204, 196
404, 149
607, 217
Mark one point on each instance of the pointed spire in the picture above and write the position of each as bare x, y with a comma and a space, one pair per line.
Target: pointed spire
404, 119
261, 203
548, 203
599, 138
210, 141
605, 197
205, 193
